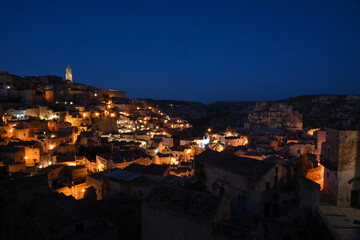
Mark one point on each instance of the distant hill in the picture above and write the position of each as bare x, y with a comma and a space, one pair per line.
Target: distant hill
317, 110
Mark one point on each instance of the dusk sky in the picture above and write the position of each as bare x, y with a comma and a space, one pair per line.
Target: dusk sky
188, 50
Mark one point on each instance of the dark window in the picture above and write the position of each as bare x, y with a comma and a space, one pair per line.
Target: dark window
241, 202
276, 209
221, 191
327, 175
354, 198
276, 180
267, 209
79, 227
267, 185
276, 170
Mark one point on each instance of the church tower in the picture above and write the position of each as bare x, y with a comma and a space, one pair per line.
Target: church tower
68, 75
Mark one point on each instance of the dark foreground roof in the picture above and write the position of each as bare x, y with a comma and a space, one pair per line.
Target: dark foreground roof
184, 201
229, 162
152, 169
121, 175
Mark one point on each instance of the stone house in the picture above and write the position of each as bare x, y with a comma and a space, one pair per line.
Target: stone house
152, 172
342, 167
10, 154
161, 158
32, 151
248, 182
121, 159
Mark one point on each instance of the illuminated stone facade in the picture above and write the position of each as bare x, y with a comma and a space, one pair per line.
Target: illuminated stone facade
342, 167
68, 75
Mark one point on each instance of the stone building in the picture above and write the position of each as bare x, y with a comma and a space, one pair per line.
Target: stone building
10, 154
152, 172
121, 159
248, 182
68, 75
32, 151
342, 167
10, 82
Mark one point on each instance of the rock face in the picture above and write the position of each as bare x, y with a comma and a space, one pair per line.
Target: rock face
334, 111
275, 115
310, 111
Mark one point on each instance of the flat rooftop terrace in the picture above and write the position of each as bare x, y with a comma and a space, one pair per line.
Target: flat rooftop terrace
340, 221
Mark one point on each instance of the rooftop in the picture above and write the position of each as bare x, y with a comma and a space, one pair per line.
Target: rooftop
341, 221
184, 201
122, 175
9, 149
152, 169
240, 165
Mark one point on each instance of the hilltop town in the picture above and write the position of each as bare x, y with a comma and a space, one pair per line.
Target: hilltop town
80, 162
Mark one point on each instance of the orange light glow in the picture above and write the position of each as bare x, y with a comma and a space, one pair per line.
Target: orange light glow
51, 147
209, 129
113, 115
101, 167
244, 141
312, 131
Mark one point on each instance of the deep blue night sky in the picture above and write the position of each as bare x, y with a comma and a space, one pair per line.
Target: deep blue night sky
188, 50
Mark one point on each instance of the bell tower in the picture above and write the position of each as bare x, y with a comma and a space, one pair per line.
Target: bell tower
68, 75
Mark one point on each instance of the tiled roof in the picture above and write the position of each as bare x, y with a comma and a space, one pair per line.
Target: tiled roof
9, 149
120, 156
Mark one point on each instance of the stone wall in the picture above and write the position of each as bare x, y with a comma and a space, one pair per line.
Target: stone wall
316, 175
349, 151
347, 182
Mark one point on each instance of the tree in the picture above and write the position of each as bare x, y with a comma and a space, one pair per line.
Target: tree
304, 164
